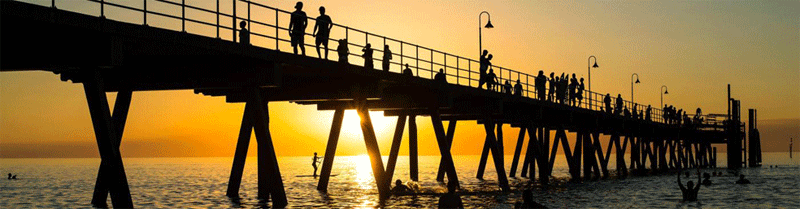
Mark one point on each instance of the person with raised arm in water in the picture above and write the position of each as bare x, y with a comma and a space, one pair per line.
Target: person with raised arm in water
297, 28
690, 191
322, 31
314, 162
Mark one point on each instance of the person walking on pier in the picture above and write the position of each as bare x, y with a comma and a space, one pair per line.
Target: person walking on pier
408, 71
626, 113
550, 94
482, 68
368, 57
324, 24
619, 105
518, 89
387, 56
607, 101
579, 94
297, 28
244, 34
647, 113
450, 199
634, 112
573, 90
507, 88
491, 79
540, 81
344, 51
439, 77
690, 191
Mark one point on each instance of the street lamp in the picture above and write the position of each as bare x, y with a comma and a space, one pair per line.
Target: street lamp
637, 81
488, 25
664, 91
590, 74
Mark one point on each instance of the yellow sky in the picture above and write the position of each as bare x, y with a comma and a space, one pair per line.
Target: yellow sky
695, 48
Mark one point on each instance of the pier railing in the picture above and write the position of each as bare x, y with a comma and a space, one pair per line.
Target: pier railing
219, 19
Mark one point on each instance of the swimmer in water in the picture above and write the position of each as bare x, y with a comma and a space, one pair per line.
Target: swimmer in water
690, 191
400, 188
742, 180
314, 162
706, 180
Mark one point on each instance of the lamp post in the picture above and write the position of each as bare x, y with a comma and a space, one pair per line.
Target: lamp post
663, 91
480, 36
589, 67
637, 81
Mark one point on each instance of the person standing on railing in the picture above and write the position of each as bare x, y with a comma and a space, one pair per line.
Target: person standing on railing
324, 24
607, 101
551, 93
297, 28
619, 105
518, 88
540, 81
343, 50
647, 113
387, 55
244, 34
367, 57
581, 87
439, 77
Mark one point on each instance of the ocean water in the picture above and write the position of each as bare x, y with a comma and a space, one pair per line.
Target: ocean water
201, 183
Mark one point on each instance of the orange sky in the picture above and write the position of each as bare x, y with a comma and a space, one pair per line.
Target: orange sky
695, 48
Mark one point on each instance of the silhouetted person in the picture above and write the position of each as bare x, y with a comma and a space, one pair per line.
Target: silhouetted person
527, 201
634, 113
324, 24
507, 87
408, 71
619, 104
573, 90
647, 113
450, 199
626, 113
690, 191
314, 162
297, 28
439, 77
244, 34
367, 56
607, 102
9, 175
741, 180
641, 115
579, 94
387, 56
484, 66
706, 179
552, 91
518, 88
539, 82
400, 188
14, 177
491, 79
343, 50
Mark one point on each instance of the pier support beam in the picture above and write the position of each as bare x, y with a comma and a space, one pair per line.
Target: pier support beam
270, 182
444, 147
330, 150
111, 174
373, 151
451, 131
542, 154
398, 138
517, 150
413, 156
242, 144
497, 155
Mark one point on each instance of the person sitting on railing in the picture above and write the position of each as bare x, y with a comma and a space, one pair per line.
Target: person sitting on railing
573, 90
485, 62
387, 55
552, 91
581, 87
507, 87
539, 83
647, 113
491, 79
297, 28
439, 77
324, 24
408, 71
619, 105
344, 51
367, 57
244, 34
518, 88
607, 101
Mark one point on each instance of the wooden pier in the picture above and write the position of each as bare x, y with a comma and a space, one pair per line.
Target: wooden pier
110, 56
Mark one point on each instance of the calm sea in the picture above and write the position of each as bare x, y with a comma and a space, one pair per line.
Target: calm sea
201, 183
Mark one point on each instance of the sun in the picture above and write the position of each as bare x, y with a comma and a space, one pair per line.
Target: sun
351, 124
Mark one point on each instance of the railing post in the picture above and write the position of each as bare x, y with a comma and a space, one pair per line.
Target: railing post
53, 3
248, 14
457, 69
469, 73
183, 17
233, 22
401, 57
445, 65
144, 13
102, 8
431, 71
417, 66
217, 18
277, 35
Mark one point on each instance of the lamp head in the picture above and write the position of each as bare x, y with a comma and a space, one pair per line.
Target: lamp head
489, 24
595, 65
637, 80
666, 92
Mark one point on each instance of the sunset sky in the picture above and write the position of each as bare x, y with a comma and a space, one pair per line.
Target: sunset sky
694, 48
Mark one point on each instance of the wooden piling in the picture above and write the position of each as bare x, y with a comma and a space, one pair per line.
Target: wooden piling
444, 147
413, 156
451, 131
502, 180
398, 138
118, 118
239, 157
371, 141
270, 182
330, 150
517, 150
